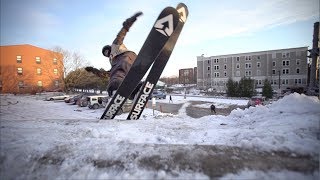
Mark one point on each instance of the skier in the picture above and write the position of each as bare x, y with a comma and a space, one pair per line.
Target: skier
120, 58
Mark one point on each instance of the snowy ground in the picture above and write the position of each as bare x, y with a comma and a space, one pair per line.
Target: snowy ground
54, 140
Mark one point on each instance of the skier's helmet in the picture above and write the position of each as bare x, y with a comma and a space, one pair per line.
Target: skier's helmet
106, 50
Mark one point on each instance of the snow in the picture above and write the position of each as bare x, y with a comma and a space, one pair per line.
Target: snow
46, 139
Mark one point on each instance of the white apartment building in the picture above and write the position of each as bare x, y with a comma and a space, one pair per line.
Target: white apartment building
289, 65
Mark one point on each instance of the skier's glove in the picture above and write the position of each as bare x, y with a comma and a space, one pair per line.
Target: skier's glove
128, 23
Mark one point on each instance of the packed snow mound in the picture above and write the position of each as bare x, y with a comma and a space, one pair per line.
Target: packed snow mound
297, 103
291, 123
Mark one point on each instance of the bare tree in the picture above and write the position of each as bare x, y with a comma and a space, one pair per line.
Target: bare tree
71, 60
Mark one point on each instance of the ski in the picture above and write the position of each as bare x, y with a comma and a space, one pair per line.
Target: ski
158, 66
164, 26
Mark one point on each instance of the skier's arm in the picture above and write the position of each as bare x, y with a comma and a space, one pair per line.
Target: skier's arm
125, 28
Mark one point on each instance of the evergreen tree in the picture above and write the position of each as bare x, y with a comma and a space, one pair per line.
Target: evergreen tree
267, 89
231, 88
246, 87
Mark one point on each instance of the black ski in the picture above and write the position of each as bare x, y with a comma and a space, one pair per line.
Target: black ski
156, 70
164, 26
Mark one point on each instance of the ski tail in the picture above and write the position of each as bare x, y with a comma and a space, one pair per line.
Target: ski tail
160, 33
158, 66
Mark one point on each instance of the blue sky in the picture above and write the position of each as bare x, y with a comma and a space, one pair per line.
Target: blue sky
213, 27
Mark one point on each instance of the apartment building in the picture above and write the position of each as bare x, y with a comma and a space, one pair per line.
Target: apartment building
26, 69
186, 76
284, 68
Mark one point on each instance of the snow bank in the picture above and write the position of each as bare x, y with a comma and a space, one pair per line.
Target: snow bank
40, 132
291, 123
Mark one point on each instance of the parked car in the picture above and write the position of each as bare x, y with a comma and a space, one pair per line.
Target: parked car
256, 100
82, 99
158, 95
57, 97
74, 99
68, 99
95, 102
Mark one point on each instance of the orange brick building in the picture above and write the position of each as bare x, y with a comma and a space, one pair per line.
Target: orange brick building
28, 69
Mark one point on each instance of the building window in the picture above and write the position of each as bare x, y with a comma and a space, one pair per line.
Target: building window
258, 64
216, 60
208, 68
216, 74
55, 61
258, 57
56, 83
216, 67
208, 75
38, 71
285, 81
297, 81
248, 58
238, 66
55, 71
19, 70
273, 81
285, 71
258, 73
259, 82
208, 61
285, 63
38, 60
248, 73
237, 73
298, 62
285, 55
225, 74
225, 66
298, 71
248, 65
238, 58
273, 71
273, 63
19, 59
20, 84
39, 83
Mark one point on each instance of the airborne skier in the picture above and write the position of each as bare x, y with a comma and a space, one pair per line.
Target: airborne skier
119, 56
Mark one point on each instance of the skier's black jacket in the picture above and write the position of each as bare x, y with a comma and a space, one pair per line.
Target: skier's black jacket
121, 58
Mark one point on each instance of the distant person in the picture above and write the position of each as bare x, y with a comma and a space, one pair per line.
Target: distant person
170, 99
258, 102
213, 108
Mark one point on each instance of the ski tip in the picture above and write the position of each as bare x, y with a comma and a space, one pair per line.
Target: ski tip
182, 11
167, 21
